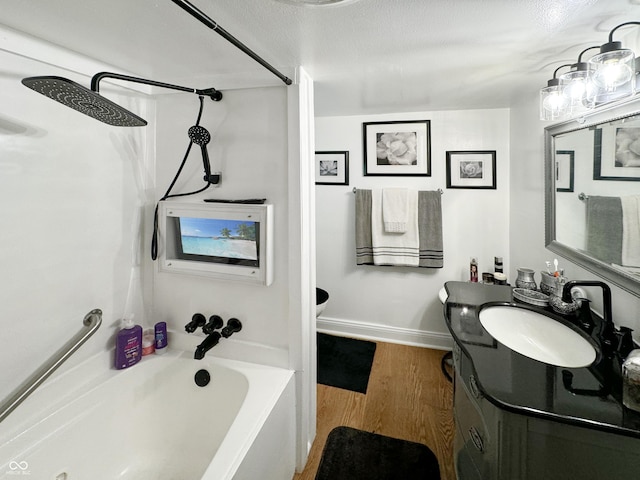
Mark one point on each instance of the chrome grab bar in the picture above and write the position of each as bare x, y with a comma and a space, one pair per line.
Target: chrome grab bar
91, 323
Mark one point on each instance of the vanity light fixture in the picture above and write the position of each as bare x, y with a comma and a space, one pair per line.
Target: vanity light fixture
614, 70
610, 75
554, 105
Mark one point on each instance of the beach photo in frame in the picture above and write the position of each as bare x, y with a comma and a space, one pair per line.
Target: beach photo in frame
565, 162
397, 148
471, 169
332, 168
616, 153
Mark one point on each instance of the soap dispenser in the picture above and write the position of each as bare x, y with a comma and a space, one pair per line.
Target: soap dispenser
128, 344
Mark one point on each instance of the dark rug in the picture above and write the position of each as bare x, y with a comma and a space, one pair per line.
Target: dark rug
352, 454
344, 362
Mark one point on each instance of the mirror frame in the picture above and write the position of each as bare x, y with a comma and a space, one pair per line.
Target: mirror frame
615, 111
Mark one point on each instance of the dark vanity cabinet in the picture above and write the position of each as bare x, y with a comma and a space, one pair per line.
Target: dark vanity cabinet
515, 418
494, 444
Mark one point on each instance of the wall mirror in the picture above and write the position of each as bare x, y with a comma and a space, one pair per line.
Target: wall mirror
592, 192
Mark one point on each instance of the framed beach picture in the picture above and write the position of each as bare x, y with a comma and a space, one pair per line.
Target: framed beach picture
565, 163
616, 153
473, 169
397, 148
332, 168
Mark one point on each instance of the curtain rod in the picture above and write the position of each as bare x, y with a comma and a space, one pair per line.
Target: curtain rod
203, 18
439, 190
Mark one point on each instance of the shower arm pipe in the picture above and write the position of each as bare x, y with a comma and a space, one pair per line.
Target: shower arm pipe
95, 84
203, 18
90, 324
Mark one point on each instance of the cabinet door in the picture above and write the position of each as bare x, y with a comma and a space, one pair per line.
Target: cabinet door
557, 451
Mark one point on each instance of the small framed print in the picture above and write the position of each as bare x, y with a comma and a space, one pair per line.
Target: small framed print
474, 169
332, 168
565, 161
400, 148
616, 154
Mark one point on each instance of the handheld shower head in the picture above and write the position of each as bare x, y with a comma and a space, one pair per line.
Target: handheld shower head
83, 100
201, 136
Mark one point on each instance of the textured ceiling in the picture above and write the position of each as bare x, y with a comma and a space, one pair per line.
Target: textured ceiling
365, 57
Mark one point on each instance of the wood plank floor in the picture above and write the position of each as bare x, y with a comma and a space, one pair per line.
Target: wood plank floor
408, 397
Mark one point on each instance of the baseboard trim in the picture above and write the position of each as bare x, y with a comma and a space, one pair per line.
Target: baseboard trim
384, 333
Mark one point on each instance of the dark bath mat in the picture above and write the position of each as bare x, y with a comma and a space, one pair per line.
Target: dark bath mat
352, 454
344, 362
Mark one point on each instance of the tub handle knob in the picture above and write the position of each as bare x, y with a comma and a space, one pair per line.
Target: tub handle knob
198, 320
215, 322
233, 325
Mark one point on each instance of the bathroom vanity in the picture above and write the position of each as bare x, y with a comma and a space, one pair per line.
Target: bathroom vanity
517, 418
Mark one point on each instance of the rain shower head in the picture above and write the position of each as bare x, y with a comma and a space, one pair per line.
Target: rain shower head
83, 100
91, 103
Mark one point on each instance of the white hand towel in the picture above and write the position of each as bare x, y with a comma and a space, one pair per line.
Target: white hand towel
391, 248
630, 230
395, 209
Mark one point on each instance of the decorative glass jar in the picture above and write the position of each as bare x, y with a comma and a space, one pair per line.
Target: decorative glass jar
526, 279
631, 381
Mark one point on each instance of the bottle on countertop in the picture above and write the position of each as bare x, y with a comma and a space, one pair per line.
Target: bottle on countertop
128, 344
161, 337
499, 278
473, 270
148, 342
498, 265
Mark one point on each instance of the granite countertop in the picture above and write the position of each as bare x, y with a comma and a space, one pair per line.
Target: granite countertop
522, 385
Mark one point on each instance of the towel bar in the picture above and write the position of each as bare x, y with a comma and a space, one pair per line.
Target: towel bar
440, 190
583, 197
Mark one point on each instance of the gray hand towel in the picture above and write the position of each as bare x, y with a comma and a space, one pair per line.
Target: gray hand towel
604, 228
430, 229
364, 245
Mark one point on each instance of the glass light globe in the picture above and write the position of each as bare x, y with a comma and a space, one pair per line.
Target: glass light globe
579, 90
613, 69
553, 104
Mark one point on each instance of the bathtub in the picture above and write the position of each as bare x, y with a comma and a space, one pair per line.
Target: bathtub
152, 422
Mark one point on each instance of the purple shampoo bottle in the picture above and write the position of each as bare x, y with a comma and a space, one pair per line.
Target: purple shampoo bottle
161, 337
128, 344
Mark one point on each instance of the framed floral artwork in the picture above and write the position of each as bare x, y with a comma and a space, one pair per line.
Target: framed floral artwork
565, 166
616, 154
397, 148
474, 169
332, 168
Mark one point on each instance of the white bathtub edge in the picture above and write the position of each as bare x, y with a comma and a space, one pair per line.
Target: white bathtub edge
263, 378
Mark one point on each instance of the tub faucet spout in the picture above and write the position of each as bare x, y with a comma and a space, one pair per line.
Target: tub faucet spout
206, 345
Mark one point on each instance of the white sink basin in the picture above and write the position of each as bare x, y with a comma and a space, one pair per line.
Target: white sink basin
537, 336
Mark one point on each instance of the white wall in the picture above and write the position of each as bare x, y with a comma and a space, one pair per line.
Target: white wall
401, 304
70, 190
527, 211
259, 138
249, 146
